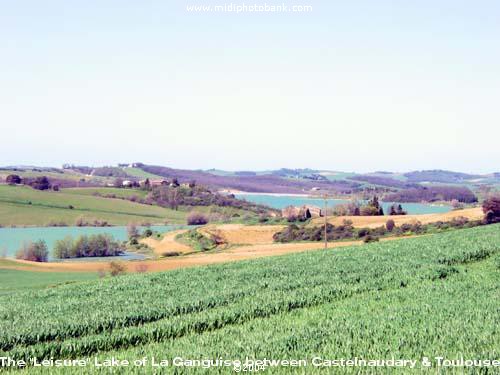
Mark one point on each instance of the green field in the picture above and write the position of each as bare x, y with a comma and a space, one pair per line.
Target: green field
21, 205
137, 172
65, 175
106, 191
13, 280
430, 296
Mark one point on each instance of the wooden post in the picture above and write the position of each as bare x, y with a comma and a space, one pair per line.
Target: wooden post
326, 221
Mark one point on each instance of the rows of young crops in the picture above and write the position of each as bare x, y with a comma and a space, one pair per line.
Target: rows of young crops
450, 317
92, 317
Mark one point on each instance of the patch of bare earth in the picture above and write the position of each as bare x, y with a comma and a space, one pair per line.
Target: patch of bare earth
167, 243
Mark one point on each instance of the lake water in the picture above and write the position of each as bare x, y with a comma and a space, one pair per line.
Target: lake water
11, 239
283, 201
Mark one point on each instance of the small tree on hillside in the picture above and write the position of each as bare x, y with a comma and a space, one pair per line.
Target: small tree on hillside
390, 225
491, 209
132, 231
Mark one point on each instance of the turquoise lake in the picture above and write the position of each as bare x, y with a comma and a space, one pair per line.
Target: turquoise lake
283, 201
11, 239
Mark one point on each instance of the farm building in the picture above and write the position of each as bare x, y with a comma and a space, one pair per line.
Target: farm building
159, 182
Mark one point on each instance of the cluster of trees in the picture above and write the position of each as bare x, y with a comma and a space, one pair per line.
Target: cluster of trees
95, 245
293, 214
39, 183
396, 209
433, 194
294, 232
371, 208
33, 251
196, 195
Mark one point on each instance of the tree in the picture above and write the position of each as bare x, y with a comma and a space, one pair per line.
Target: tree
392, 210
400, 210
175, 182
491, 209
118, 183
132, 231
13, 179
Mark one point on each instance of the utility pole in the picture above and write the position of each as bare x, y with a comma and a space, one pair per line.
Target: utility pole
326, 220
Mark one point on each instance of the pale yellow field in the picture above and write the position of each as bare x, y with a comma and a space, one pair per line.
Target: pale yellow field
376, 221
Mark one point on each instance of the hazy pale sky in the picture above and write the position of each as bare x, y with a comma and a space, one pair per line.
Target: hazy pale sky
353, 85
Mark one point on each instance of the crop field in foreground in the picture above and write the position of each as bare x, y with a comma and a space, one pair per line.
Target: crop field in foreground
430, 296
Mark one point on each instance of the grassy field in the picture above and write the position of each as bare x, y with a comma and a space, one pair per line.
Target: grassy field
13, 280
20, 205
66, 175
137, 172
103, 191
429, 296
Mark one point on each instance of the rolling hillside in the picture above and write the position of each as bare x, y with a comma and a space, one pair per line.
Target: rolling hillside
21, 205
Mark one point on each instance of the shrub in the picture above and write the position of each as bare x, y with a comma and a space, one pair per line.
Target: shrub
141, 268
369, 238
197, 218
148, 233
390, 225
40, 183
171, 254
117, 268
369, 211
13, 179
33, 251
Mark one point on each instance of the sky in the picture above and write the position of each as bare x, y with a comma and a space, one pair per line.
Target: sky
351, 85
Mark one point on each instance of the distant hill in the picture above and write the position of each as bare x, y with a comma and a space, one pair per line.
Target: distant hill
441, 176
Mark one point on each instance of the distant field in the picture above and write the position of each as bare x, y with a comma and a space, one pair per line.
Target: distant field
67, 175
49, 206
121, 193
